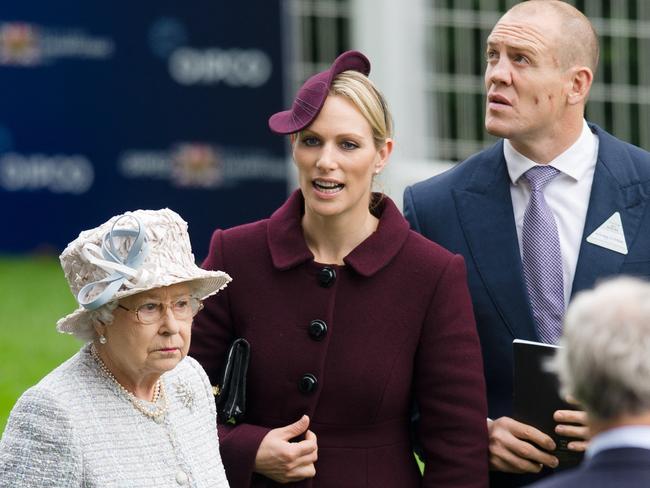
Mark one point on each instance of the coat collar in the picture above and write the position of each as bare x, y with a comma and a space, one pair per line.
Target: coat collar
620, 457
289, 249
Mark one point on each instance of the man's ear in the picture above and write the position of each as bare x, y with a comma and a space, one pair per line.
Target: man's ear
581, 79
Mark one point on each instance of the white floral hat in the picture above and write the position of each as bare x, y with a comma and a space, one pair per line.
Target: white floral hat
131, 253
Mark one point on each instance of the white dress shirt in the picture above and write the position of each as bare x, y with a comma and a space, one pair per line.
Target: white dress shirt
567, 195
628, 436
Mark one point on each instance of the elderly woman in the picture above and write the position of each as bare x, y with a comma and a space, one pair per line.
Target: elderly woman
349, 315
605, 365
130, 409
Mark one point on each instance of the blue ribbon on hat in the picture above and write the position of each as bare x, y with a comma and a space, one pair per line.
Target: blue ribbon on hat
122, 271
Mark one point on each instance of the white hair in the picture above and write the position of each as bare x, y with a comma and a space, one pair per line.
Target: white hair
104, 315
605, 359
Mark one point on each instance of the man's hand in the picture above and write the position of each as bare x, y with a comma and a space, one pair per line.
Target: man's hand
284, 461
513, 447
579, 431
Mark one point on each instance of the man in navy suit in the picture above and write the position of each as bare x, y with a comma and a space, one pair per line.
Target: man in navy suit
541, 58
605, 364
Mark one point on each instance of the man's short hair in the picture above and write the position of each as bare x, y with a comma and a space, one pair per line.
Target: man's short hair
578, 43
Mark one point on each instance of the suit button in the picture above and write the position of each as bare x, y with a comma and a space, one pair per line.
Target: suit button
326, 277
307, 383
317, 330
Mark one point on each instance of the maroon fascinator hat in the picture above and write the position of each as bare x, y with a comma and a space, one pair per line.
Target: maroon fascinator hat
313, 92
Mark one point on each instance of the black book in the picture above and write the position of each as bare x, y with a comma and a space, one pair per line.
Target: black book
537, 395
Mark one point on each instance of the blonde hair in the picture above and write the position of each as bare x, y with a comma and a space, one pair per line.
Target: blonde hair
362, 92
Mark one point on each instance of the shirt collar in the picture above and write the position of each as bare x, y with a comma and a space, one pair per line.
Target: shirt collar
575, 162
289, 249
628, 436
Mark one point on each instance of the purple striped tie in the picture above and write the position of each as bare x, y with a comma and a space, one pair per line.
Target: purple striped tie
542, 257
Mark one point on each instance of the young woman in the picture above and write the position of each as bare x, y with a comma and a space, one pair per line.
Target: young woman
350, 317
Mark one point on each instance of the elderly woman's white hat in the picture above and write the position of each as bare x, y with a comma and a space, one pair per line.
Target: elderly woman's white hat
131, 253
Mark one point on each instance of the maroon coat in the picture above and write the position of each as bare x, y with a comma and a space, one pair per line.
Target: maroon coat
398, 322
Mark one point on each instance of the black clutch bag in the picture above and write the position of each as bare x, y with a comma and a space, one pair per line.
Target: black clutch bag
230, 393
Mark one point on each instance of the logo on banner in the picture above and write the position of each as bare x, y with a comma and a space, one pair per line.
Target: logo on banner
57, 174
25, 44
19, 44
196, 165
201, 165
166, 35
234, 67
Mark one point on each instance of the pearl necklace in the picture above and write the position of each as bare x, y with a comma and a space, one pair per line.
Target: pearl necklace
157, 413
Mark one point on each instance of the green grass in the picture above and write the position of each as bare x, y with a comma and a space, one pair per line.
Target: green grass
33, 296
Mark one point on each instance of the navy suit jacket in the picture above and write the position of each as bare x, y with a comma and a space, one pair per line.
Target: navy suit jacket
468, 210
627, 467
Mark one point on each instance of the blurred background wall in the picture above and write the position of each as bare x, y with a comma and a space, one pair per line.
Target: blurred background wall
108, 106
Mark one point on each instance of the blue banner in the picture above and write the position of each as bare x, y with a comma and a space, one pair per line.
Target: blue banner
113, 106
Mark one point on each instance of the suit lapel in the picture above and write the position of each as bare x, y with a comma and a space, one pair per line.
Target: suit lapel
615, 188
485, 214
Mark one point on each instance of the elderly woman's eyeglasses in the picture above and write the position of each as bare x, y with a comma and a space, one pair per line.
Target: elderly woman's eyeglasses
152, 311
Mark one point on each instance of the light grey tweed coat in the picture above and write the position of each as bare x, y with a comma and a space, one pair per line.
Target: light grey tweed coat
75, 428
